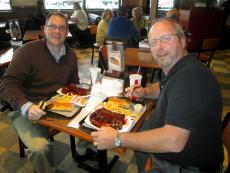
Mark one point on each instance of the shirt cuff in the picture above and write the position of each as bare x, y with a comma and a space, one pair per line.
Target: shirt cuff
25, 108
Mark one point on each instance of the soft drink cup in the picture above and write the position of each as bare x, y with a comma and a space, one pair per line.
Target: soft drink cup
135, 79
95, 75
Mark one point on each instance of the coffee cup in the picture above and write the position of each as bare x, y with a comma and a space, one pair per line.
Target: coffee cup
135, 79
95, 73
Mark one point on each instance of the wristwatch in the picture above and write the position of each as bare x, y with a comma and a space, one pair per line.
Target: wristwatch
117, 141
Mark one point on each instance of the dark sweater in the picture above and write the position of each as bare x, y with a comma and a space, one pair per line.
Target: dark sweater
34, 75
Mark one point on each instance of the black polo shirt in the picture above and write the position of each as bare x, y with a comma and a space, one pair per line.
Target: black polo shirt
190, 98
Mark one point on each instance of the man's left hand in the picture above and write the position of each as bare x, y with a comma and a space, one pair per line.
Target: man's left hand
104, 138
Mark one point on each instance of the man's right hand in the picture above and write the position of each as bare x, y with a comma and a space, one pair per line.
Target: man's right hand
35, 112
135, 91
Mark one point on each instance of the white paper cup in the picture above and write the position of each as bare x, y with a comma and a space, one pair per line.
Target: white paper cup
95, 74
135, 79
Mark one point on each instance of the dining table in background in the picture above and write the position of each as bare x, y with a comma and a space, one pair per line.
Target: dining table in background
31, 35
60, 123
140, 58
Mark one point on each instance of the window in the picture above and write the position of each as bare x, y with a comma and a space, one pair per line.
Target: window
5, 5
60, 4
88, 4
163, 7
101, 4
165, 3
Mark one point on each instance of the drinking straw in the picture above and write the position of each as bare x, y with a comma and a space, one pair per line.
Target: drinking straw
138, 70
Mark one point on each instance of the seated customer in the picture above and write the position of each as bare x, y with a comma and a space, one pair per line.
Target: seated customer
183, 134
80, 19
139, 21
27, 81
102, 27
122, 27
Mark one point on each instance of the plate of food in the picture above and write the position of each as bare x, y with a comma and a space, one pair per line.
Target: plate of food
62, 105
124, 106
105, 118
82, 90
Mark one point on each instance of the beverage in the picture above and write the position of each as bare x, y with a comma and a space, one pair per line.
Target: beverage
95, 75
135, 79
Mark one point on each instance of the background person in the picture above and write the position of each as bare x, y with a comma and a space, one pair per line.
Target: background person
122, 27
184, 133
140, 22
80, 18
27, 82
102, 27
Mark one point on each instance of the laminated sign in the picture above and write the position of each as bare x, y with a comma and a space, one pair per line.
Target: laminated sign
115, 50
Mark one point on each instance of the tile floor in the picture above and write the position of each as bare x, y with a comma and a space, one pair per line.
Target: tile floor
10, 162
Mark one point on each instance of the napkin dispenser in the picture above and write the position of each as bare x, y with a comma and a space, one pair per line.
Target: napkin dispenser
144, 46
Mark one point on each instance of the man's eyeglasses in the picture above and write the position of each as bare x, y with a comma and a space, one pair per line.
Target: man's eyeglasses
54, 27
163, 40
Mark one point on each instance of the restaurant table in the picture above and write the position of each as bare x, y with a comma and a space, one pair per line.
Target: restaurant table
5, 57
139, 58
31, 35
60, 123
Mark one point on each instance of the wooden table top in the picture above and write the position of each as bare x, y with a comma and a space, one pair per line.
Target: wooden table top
32, 35
36, 34
135, 57
5, 57
60, 123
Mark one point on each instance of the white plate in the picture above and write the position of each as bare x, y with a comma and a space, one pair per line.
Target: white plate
125, 128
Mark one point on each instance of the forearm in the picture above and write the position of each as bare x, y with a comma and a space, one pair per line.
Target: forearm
160, 140
152, 91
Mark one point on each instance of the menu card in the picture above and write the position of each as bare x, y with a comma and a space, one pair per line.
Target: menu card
115, 50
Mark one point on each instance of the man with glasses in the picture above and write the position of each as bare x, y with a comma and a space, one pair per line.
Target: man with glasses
183, 135
37, 71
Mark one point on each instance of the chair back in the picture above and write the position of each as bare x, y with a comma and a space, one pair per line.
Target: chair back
93, 29
226, 137
103, 57
207, 49
93, 32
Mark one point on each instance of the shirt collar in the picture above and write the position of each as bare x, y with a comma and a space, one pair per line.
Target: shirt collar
176, 68
62, 53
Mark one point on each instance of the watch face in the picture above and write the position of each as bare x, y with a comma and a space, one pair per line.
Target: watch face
117, 142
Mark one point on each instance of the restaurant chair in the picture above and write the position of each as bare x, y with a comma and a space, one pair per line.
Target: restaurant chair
103, 57
207, 50
93, 33
226, 138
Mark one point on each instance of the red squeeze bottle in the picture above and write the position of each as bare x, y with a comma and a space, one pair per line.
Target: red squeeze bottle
136, 83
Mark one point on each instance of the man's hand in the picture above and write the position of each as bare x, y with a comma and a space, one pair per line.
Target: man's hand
104, 138
134, 91
35, 112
